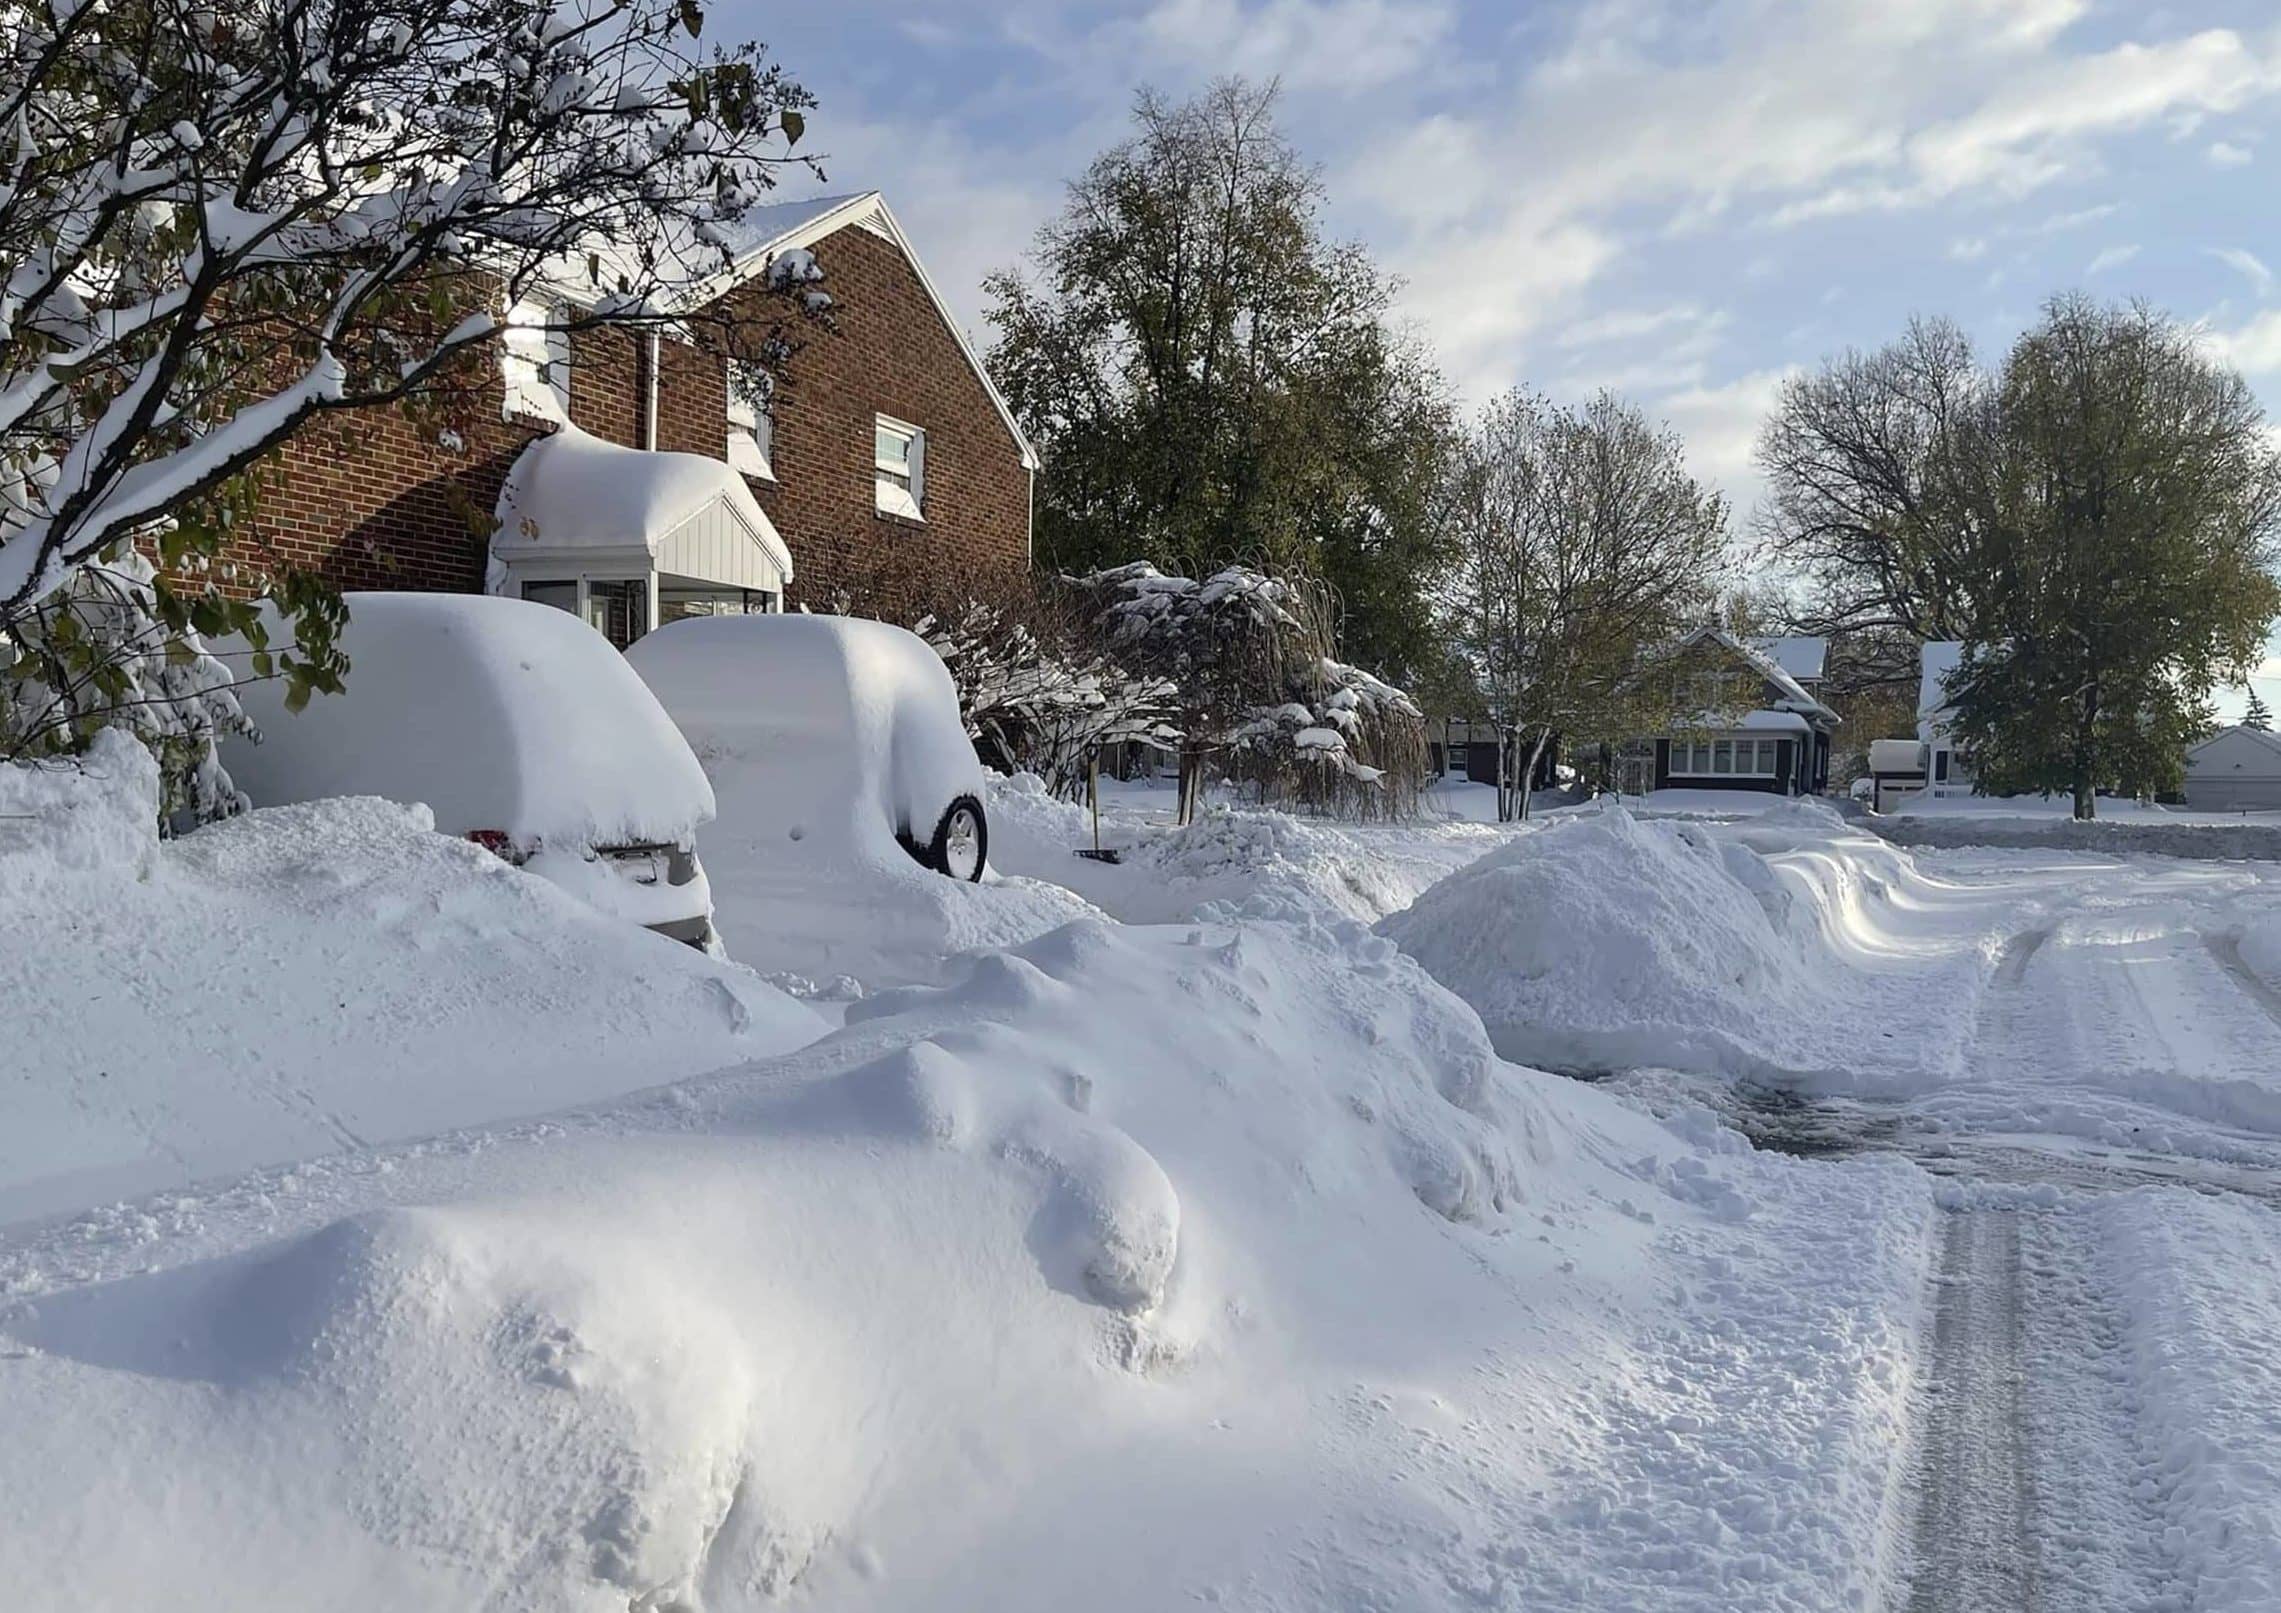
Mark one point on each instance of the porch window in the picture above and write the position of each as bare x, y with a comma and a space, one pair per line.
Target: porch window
752, 428
899, 455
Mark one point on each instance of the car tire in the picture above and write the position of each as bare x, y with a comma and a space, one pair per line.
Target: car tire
961, 844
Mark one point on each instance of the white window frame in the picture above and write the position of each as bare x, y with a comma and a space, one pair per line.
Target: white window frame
752, 427
534, 360
899, 488
1698, 758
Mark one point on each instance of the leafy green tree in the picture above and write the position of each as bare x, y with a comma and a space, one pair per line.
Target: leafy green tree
2127, 562
1211, 382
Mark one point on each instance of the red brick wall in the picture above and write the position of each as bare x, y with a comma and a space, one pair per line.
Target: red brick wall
889, 353
382, 499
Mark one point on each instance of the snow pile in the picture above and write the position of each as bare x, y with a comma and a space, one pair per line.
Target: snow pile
309, 978
1231, 860
90, 819
1776, 948
1135, 1268
494, 713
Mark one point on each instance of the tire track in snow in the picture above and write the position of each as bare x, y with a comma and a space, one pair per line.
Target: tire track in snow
1972, 1510
2226, 949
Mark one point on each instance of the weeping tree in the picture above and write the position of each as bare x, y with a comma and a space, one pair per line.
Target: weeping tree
221, 224
1256, 695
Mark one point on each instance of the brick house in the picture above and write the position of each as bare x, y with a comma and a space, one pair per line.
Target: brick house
633, 482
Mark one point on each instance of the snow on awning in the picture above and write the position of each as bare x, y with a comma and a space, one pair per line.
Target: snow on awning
571, 496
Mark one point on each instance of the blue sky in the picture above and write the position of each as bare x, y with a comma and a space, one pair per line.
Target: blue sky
1684, 199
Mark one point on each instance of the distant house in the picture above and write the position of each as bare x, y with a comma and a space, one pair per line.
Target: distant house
1936, 719
2237, 769
1780, 746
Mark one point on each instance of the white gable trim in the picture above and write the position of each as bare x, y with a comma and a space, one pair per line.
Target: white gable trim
869, 211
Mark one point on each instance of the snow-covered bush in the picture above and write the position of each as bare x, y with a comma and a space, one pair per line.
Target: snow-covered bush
1258, 695
98, 653
1039, 699
1344, 743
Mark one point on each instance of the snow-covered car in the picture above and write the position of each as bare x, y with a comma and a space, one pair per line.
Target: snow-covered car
521, 729
844, 736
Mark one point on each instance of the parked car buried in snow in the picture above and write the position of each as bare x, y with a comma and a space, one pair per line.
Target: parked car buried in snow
521, 729
843, 735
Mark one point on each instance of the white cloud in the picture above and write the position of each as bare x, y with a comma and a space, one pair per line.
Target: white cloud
2113, 257
1969, 249
1309, 44
1721, 424
2254, 348
2247, 264
2225, 154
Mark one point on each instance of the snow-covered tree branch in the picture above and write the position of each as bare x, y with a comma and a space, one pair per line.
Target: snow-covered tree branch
217, 223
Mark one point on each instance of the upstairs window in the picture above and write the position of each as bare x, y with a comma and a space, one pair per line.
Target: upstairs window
535, 360
752, 429
899, 454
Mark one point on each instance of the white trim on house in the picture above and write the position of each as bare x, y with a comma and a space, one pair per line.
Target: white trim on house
866, 210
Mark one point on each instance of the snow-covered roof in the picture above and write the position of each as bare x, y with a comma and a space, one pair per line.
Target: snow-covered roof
1935, 661
1791, 694
2259, 736
766, 232
574, 491
1803, 658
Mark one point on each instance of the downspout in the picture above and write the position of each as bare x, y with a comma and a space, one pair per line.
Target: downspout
649, 404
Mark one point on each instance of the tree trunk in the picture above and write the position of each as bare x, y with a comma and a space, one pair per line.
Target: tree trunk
1529, 771
1504, 776
2086, 756
1191, 786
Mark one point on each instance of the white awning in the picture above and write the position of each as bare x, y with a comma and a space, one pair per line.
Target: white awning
577, 503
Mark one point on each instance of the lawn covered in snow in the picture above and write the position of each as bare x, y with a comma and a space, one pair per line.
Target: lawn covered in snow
1189, 1229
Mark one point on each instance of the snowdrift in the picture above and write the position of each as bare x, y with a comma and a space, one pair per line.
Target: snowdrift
1231, 860
304, 979
1132, 1268
1778, 947
2200, 840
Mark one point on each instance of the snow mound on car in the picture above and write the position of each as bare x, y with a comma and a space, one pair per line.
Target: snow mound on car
1755, 949
310, 978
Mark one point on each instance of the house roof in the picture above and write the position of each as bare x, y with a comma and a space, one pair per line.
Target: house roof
1803, 658
1792, 695
763, 233
2270, 741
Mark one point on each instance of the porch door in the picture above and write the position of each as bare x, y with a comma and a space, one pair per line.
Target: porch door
618, 610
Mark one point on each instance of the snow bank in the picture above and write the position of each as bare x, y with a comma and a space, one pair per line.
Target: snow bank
87, 820
1776, 947
1133, 1268
310, 978
2202, 840
1230, 860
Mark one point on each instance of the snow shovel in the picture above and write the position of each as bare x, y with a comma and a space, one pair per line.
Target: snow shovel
1096, 852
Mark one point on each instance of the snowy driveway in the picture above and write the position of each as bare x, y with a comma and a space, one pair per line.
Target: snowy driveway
2099, 1397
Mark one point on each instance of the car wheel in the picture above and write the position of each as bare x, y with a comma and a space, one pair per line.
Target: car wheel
961, 846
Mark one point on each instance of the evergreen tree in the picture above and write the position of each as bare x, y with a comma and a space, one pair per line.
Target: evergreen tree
1211, 382
2257, 716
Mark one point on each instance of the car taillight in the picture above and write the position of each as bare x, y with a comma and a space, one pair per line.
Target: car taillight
494, 841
